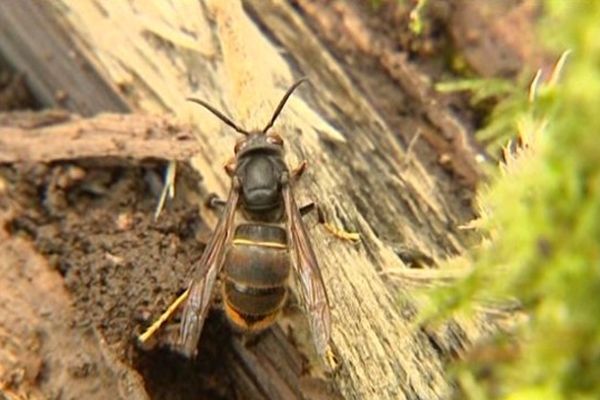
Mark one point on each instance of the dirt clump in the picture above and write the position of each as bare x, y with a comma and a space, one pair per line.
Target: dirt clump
93, 222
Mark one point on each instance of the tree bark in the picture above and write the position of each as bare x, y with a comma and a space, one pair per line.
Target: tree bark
362, 172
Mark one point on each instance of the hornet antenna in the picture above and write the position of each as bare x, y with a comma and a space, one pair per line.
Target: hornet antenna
219, 114
282, 103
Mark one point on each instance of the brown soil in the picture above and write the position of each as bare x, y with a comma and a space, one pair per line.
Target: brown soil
120, 267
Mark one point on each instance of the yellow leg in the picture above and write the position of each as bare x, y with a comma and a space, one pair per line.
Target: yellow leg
143, 338
341, 234
331, 228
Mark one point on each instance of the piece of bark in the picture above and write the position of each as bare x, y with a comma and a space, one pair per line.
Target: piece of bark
53, 136
360, 171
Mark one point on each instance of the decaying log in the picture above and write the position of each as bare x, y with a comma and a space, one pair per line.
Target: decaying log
359, 171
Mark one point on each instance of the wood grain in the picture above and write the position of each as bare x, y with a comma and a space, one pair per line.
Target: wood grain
56, 70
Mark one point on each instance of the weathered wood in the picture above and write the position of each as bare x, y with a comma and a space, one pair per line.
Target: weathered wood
54, 136
56, 71
359, 171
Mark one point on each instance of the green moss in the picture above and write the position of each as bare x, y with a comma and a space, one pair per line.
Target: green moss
416, 17
510, 104
541, 221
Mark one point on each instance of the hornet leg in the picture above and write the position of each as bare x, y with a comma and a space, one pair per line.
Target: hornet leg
339, 233
143, 338
332, 229
215, 202
305, 209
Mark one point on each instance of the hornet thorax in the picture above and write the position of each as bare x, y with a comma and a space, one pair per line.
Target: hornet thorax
260, 168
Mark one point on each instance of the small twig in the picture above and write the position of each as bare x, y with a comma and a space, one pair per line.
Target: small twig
168, 187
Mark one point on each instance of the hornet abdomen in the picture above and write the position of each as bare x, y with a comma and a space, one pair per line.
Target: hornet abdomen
256, 271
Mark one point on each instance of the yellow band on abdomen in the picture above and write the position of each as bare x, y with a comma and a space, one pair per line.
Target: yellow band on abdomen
246, 242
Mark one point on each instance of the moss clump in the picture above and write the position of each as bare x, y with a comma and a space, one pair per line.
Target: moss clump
541, 220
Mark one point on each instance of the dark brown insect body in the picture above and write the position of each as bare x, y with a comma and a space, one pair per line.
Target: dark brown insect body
258, 241
257, 263
256, 273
